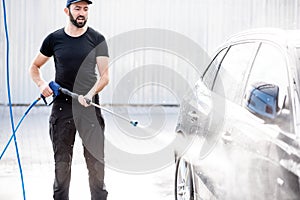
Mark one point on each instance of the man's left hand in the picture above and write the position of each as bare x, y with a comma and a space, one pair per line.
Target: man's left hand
85, 100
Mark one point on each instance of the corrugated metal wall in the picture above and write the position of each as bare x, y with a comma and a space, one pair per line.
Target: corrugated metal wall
205, 22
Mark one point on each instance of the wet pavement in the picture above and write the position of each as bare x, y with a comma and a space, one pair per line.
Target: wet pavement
37, 159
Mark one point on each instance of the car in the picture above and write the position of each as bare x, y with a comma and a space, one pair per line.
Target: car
242, 121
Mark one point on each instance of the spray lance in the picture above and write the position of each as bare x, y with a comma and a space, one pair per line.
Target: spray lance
57, 89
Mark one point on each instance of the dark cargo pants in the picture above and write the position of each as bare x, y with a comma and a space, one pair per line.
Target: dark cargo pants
62, 133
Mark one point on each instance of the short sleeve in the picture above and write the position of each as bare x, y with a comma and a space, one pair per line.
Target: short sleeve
102, 49
47, 47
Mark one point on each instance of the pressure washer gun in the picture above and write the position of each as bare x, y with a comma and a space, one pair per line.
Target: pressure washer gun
57, 89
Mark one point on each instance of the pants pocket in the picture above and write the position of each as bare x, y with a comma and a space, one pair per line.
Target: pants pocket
52, 127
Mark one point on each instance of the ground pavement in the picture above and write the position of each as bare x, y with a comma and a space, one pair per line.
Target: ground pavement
37, 162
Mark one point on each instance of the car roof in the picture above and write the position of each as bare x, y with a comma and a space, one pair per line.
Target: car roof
279, 36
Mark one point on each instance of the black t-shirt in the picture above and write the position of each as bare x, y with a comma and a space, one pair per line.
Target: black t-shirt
75, 58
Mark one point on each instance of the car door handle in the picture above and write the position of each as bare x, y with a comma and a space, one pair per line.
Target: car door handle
193, 115
227, 137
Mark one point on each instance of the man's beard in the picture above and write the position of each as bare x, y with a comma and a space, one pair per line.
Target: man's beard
75, 23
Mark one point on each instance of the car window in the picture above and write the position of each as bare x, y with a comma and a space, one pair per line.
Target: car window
230, 78
211, 71
269, 71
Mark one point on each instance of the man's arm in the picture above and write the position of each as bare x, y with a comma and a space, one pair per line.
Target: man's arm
36, 75
102, 64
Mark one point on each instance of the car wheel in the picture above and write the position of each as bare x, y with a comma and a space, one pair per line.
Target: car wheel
184, 189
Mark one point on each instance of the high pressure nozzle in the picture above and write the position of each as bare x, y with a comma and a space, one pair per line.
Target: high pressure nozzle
134, 123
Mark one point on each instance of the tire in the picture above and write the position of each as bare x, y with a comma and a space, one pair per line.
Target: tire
184, 187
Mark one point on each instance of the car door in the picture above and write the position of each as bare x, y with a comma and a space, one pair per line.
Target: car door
218, 157
248, 160
255, 147
265, 138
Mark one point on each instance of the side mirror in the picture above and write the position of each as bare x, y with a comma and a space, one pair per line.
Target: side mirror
262, 100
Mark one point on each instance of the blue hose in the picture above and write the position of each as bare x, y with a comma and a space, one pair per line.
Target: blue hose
9, 99
18, 125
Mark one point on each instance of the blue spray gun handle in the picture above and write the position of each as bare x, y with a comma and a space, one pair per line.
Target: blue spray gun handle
56, 91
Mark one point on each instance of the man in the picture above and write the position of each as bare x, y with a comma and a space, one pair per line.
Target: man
77, 50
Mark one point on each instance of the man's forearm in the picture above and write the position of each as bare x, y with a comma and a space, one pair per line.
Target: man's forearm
34, 69
37, 78
99, 86
36, 75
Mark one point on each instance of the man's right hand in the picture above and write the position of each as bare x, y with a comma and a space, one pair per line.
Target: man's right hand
45, 90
